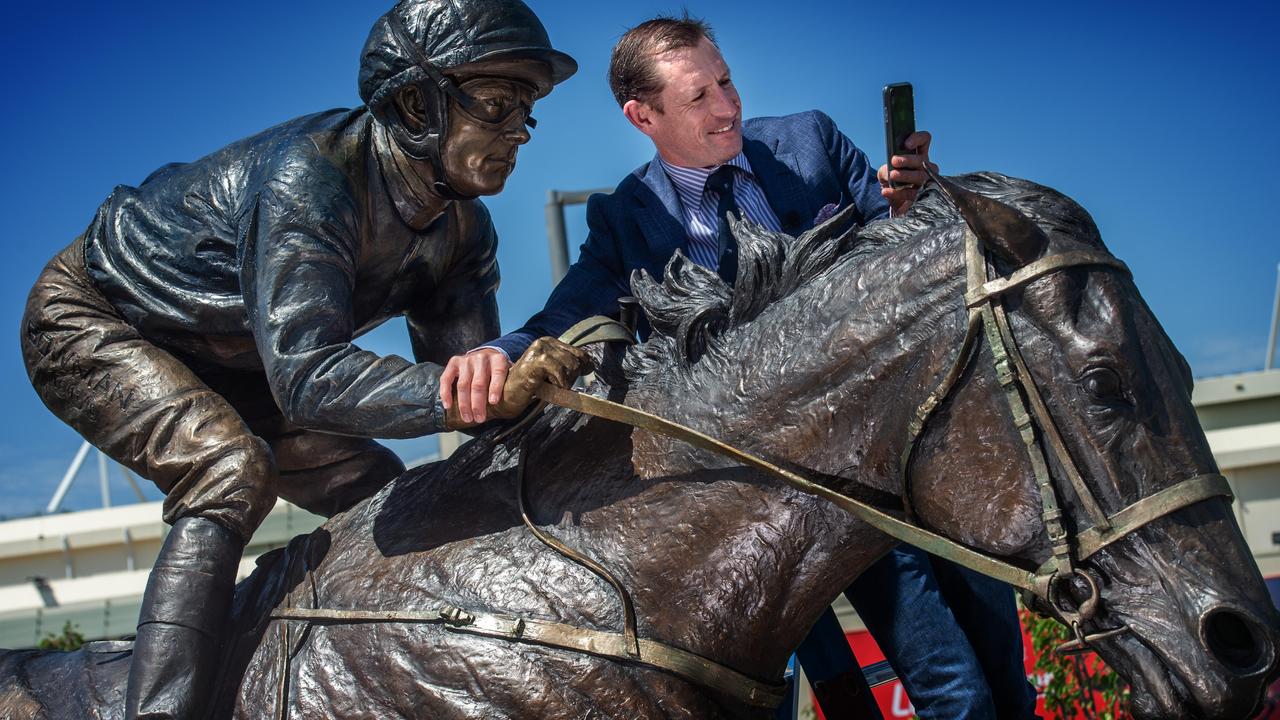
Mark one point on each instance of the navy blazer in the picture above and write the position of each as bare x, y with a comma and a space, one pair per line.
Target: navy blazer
803, 163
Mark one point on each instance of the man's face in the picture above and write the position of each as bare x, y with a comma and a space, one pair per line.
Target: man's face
701, 120
479, 151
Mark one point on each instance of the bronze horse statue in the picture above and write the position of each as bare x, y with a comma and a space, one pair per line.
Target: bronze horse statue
427, 600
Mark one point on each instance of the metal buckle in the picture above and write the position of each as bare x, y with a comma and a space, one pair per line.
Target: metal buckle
1083, 611
456, 616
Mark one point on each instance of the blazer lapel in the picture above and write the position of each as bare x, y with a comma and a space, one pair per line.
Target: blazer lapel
787, 193
660, 217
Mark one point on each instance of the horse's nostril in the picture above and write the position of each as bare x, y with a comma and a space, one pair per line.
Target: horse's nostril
1233, 640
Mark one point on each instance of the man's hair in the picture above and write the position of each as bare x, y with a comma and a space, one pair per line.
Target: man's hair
633, 72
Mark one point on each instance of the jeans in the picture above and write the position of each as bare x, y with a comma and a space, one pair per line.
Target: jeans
951, 634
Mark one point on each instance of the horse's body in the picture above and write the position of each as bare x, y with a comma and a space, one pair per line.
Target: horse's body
818, 360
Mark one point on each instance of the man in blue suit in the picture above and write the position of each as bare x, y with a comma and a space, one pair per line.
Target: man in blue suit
952, 635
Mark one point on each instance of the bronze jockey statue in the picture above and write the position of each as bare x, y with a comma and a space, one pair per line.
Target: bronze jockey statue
200, 330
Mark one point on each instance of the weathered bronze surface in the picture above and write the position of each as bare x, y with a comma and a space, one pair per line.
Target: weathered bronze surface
818, 359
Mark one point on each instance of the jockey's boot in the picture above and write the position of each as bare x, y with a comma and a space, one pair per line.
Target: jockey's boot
180, 629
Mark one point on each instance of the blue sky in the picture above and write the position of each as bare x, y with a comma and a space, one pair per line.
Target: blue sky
1157, 117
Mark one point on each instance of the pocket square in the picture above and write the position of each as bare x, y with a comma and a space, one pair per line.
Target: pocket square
827, 212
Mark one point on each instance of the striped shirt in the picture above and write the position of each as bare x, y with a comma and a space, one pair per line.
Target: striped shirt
698, 206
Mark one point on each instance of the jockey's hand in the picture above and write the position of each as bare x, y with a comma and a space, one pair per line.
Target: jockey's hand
908, 172
481, 372
546, 361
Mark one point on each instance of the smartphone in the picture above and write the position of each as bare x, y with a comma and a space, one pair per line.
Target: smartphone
899, 120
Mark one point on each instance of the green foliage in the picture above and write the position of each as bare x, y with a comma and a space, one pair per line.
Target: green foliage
1077, 685
70, 639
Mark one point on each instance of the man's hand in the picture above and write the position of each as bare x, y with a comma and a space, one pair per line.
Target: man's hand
481, 372
908, 172
546, 361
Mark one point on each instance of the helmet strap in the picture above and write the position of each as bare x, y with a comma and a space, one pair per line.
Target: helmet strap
444, 83
437, 89
426, 148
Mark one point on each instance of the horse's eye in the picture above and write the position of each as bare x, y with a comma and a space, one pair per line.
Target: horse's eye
1103, 384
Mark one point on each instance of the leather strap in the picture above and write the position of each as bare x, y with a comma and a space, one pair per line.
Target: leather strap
674, 660
1045, 265
1152, 507
596, 329
882, 521
630, 633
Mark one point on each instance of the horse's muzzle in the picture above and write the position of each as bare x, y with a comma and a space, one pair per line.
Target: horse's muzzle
1244, 646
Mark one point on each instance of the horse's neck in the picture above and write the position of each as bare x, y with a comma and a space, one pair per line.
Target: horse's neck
829, 375
825, 379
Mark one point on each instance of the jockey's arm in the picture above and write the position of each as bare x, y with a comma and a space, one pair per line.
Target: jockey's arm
592, 287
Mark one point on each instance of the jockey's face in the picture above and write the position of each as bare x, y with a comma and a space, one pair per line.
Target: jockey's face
699, 123
479, 151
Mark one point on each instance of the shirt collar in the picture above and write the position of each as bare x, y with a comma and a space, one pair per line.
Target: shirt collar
692, 182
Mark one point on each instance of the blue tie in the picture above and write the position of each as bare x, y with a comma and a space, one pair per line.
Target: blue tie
721, 183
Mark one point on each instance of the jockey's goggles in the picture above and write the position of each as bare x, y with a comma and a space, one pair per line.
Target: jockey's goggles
493, 102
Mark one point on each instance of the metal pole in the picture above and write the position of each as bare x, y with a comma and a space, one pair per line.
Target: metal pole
1275, 322
557, 239
104, 484
66, 557
130, 562
65, 485
557, 236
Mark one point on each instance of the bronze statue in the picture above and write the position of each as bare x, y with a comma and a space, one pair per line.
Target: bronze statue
200, 331
433, 598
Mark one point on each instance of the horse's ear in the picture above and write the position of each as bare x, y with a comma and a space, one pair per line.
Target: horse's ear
1001, 228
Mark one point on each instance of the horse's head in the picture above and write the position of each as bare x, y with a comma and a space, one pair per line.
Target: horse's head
1181, 609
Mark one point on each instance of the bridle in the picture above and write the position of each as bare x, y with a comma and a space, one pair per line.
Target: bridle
987, 321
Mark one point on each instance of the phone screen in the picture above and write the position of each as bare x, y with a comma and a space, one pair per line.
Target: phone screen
899, 118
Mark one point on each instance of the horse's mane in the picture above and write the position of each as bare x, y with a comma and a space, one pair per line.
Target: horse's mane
692, 307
